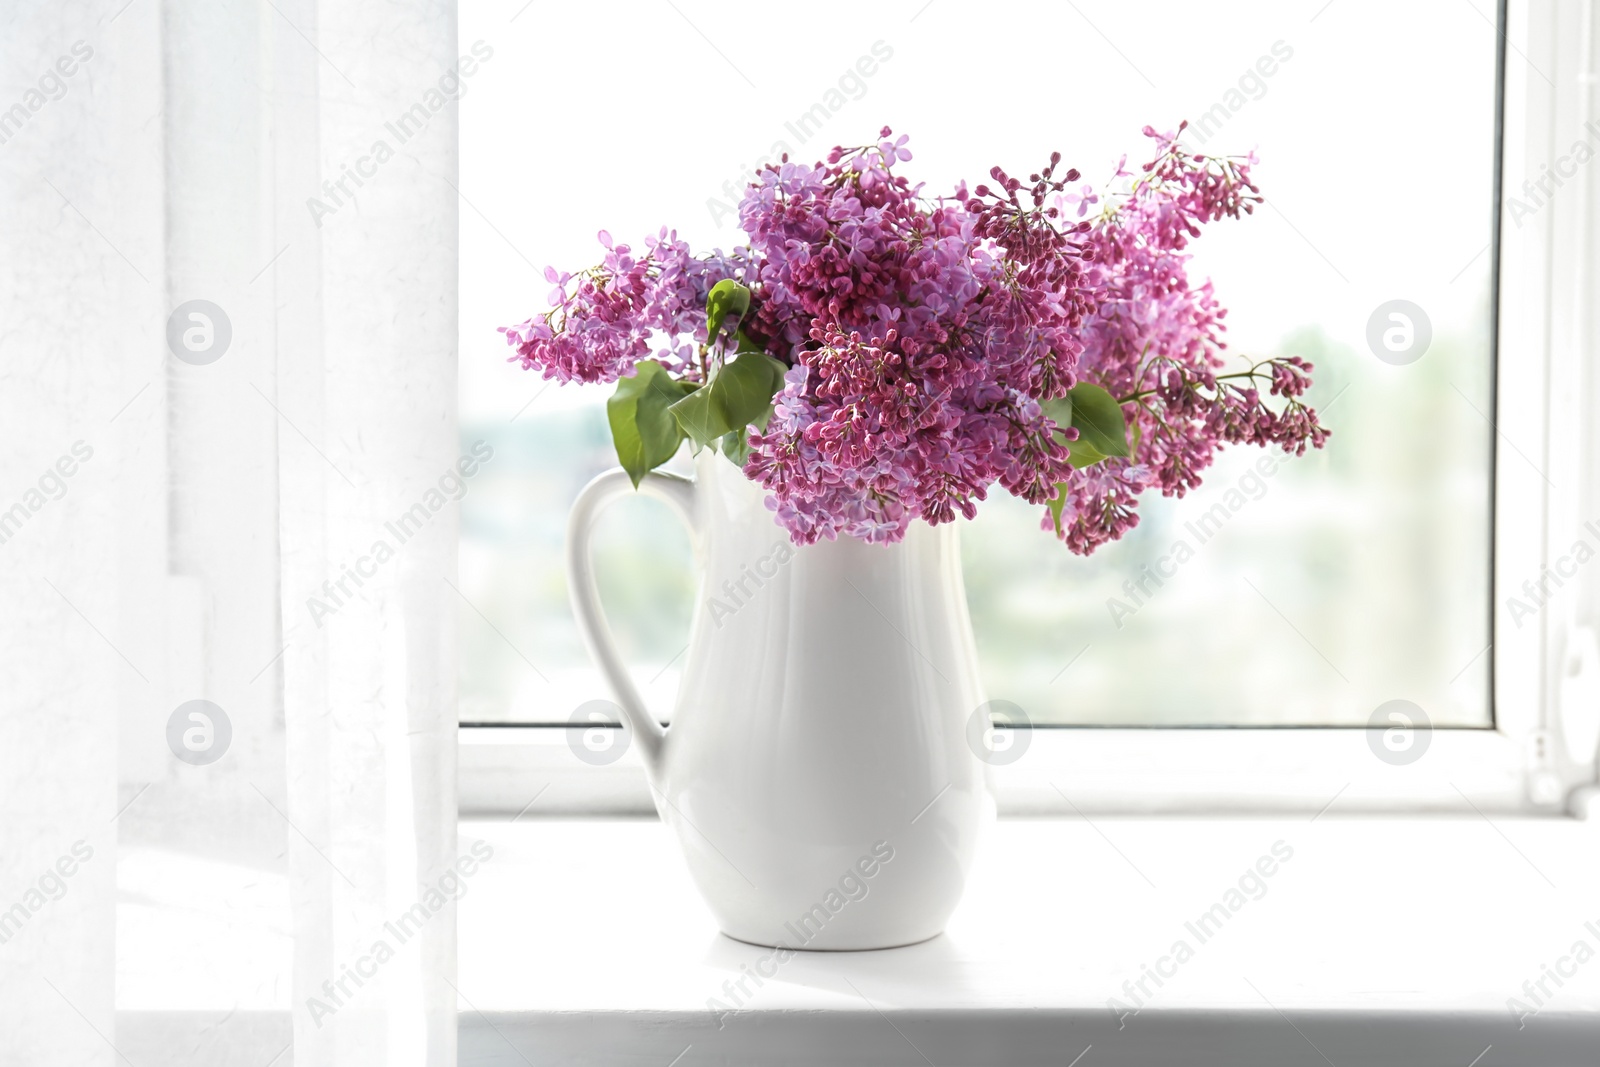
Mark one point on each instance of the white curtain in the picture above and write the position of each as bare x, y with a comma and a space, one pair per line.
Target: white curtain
182, 529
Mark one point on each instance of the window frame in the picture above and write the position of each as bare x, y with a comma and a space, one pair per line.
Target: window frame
1545, 677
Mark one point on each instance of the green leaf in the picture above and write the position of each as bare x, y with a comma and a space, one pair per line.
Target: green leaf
1098, 419
726, 298
700, 419
643, 429
1081, 454
1058, 504
739, 395
736, 443
745, 387
1058, 411
736, 446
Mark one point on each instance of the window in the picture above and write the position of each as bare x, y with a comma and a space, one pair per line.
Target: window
1306, 593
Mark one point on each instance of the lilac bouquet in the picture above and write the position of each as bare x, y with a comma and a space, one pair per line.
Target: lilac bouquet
873, 356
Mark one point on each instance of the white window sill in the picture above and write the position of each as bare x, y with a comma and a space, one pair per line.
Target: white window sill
1107, 771
1381, 941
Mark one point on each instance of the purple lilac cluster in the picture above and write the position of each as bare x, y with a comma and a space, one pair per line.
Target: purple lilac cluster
933, 330
1155, 342
921, 337
602, 321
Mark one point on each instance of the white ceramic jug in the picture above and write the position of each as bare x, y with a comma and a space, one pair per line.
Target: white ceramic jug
818, 770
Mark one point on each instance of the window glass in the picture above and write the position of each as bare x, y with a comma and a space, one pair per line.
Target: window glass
1302, 592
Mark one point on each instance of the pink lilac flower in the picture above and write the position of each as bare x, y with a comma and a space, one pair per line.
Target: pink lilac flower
604, 320
1156, 340
921, 337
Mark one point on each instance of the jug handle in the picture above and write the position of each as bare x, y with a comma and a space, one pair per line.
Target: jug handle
679, 494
